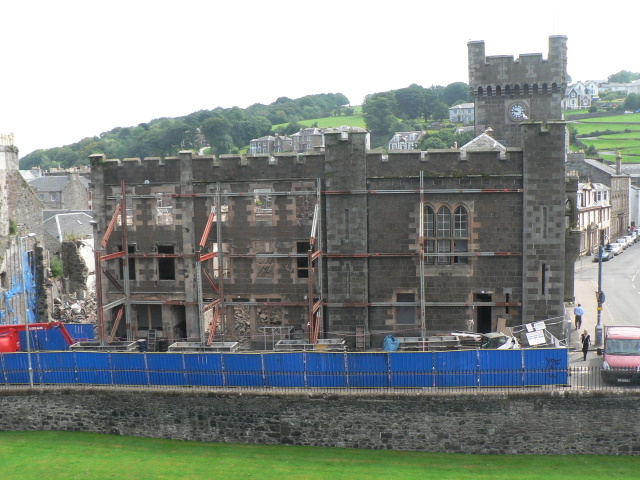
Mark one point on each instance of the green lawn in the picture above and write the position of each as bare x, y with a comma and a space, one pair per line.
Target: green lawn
66, 455
630, 118
583, 128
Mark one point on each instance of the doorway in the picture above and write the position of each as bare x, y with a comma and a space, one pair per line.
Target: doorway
483, 313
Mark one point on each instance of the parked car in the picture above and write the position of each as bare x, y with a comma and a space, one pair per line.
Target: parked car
629, 239
606, 256
614, 248
622, 241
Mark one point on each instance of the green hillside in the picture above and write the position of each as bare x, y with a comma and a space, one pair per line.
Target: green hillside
604, 136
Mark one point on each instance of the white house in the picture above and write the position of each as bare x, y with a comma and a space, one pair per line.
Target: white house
594, 215
405, 140
463, 113
580, 95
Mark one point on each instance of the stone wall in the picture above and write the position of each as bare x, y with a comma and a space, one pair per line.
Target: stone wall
554, 423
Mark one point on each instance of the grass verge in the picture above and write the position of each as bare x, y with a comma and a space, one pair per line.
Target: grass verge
67, 455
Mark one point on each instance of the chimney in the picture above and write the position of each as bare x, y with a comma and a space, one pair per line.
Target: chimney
618, 163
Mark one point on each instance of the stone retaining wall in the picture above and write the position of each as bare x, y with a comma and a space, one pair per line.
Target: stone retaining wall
512, 423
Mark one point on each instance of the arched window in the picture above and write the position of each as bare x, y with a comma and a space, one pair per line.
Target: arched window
445, 233
535, 88
489, 91
507, 90
460, 234
516, 90
498, 90
544, 88
554, 87
480, 91
526, 89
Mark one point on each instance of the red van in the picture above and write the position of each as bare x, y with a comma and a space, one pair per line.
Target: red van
621, 362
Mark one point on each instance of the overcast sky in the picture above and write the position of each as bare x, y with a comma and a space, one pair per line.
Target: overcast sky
73, 69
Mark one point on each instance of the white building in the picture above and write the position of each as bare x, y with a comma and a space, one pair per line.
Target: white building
463, 113
594, 215
405, 141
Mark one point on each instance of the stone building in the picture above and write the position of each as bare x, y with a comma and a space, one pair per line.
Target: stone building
343, 241
21, 252
63, 191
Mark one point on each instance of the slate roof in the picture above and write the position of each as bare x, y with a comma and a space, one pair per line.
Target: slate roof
54, 183
64, 224
483, 142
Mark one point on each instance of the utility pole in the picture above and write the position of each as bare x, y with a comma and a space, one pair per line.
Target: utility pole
600, 293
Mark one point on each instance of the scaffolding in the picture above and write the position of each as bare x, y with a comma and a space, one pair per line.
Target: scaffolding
315, 303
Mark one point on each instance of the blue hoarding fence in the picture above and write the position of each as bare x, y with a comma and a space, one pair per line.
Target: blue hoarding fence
380, 370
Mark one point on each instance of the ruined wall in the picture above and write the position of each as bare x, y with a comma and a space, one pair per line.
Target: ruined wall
567, 423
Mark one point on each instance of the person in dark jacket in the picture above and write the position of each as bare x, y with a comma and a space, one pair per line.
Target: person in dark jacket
586, 342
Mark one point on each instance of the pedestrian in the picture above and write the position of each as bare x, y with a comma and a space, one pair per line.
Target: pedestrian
586, 342
578, 312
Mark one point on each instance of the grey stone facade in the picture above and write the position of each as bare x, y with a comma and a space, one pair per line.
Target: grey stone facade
21, 208
572, 423
369, 232
499, 83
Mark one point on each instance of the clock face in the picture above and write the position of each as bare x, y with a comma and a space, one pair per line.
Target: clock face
517, 111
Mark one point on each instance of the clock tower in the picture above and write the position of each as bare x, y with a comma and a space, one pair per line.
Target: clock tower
508, 91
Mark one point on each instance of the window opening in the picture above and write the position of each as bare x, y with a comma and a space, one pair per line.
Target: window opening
166, 266
303, 262
164, 209
226, 271
131, 249
449, 235
262, 200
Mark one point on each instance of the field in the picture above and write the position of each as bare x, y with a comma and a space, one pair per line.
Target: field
87, 456
626, 143
329, 122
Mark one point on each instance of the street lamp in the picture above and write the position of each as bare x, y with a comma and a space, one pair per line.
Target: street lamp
600, 293
26, 304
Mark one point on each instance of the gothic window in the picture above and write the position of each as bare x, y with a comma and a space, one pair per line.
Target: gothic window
446, 233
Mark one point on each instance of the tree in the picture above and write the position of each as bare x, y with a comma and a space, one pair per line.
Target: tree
632, 102
440, 111
432, 143
378, 113
623, 76
217, 131
455, 92
410, 101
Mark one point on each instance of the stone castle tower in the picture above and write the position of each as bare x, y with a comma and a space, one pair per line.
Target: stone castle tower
507, 91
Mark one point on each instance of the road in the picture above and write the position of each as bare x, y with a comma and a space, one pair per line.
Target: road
620, 283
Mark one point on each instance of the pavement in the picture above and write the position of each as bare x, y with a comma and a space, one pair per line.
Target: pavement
585, 294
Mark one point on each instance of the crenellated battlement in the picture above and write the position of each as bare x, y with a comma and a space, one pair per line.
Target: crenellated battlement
7, 140
529, 74
265, 167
